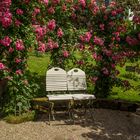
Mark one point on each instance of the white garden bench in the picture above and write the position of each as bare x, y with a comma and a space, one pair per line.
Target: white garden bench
63, 86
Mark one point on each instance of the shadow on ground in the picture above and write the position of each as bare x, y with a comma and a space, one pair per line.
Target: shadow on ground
107, 125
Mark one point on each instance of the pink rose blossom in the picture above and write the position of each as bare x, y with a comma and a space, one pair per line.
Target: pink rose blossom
105, 17
2, 66
19, 11
81, 47
64, 7
36, 11
17, 23
40, 31
112, 4
96, 9
19, 45
19, 72
82, 2
46, 2
51, 10
113, 66
6, 41
6, 19
108, 52
55, 45
86, 37
9, 78
42, 47
26, 1
51, 44
102, 26
6, 3
97, 57
132, 41
11, 50
80, 62
73, 16
55, 1
65, 54
114, 13
60, 32
105, 71
51, 24
98, 41
17, 60
111, 24
136, 19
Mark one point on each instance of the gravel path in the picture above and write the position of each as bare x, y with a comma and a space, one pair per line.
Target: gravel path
107, 125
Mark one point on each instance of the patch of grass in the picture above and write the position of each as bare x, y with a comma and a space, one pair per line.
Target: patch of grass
128, 95
21, 118
39, 64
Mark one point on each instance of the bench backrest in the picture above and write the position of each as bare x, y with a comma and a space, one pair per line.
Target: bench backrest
76, 80
56, 79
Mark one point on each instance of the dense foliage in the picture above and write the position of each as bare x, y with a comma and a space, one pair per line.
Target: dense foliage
100, 32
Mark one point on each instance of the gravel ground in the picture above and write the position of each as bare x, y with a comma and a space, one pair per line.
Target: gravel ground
107, 125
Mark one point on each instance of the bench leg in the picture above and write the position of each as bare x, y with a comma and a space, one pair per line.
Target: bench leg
49, 118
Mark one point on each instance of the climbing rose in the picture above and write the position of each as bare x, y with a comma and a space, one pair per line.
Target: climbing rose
114, 13
86, 37
42, 47
6, 19
11, 50
55, 1
19, 11
6, 41
65, 54
51, 44
36, 11
64, 7
18, 72
105, 71
46, 2
17, 60
6, 3
40, 31
98, 41
102, 26
51, 10
59, 32
17, 23
82, 2
51, 24
97, 57
19, 45
2, 66
132, 41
